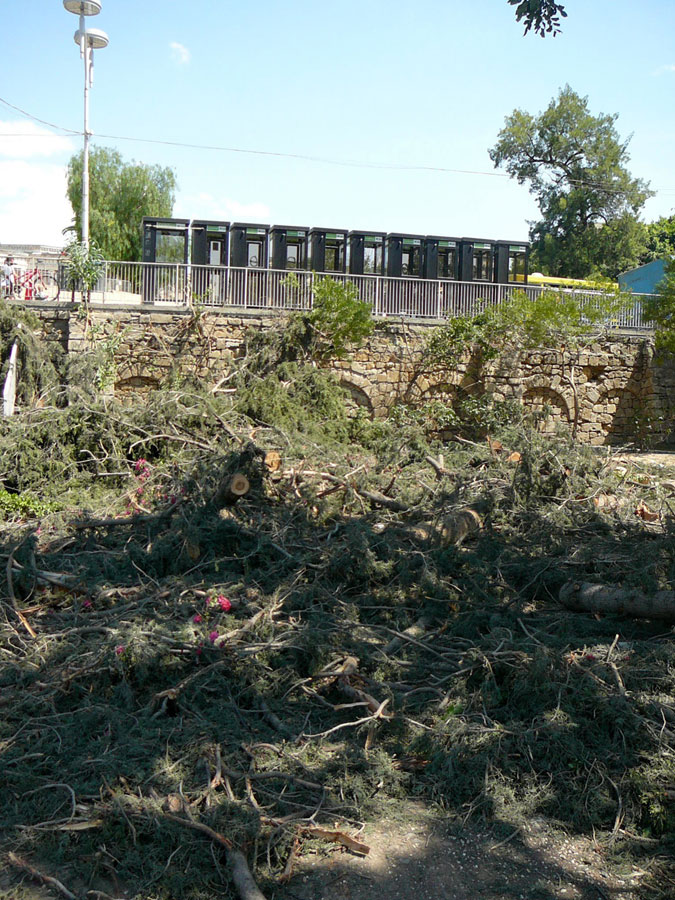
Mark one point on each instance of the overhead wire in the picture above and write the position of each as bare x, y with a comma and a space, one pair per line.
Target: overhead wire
359, 164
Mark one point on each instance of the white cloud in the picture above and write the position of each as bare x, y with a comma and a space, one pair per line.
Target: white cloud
34, 208
208, 206
663, 69
179, 53
33, 203
22, 140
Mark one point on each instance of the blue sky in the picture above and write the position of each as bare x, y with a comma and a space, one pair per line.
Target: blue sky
385, 85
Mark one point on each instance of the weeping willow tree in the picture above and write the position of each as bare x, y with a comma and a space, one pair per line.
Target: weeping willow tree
121, 193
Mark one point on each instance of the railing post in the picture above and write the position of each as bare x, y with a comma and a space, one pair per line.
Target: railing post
105, 281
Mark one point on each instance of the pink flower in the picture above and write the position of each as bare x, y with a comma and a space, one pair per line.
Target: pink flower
120, 650
140, 464
87, 604
224, 603
213, 636
197, 619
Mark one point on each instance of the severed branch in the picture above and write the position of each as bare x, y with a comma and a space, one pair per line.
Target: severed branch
378, 714
21, 864
611, 600
339, 837
236, 861
373, 496
11, 565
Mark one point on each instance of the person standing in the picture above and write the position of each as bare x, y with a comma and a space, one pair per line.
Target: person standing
8, 277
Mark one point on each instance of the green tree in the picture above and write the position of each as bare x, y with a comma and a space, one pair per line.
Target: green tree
543, 16
121, 193
660, 309
660, 239
575, 165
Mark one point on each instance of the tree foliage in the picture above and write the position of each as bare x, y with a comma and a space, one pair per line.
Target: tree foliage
575, 165
543, 16
660, 239
660, 309
339, 319
121, 193
520, 323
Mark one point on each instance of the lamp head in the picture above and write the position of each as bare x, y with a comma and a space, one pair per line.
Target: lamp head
83, 7
95, 38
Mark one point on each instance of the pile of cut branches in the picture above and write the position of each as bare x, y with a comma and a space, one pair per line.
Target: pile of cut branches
225, 640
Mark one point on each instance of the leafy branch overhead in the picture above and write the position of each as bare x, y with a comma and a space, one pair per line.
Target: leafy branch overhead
542, 16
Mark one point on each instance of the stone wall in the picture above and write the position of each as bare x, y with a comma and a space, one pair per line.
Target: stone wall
610, 391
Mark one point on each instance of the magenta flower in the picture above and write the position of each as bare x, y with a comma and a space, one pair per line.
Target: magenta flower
224, 603
197, 619
86, 604
120, 650
213, 636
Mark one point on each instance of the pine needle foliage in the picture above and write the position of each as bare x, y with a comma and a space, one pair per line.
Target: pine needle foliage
188, 637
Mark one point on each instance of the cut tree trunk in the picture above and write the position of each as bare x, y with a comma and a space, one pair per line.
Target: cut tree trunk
583, 596
233, 490
450, 530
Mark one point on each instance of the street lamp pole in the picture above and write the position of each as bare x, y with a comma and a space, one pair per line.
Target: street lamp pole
88, 40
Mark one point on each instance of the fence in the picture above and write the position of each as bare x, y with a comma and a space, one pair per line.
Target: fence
220, 287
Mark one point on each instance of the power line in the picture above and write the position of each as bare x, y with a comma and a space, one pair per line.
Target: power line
35, 118
358, 164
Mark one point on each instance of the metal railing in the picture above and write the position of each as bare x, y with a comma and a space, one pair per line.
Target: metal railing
219, 287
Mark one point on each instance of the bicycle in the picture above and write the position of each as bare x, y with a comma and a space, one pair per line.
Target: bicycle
36, 284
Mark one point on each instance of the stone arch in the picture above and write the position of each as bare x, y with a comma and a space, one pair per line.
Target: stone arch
441, 390
357, 398
621, 413
537, 396
136, 384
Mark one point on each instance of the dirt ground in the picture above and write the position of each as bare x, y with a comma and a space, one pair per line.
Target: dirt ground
417, 857
662, 459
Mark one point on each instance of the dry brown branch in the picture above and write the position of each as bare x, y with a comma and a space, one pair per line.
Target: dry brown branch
416, 630
373, 496
11, 564
339, 837
355, 693
239, 870
173, 692
378, 714
438, 466
21, 864
273, 773
199, 826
